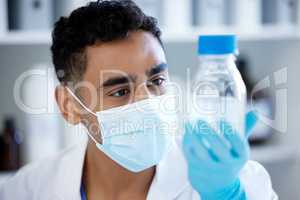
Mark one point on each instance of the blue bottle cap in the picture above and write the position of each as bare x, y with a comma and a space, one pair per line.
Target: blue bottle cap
217, 44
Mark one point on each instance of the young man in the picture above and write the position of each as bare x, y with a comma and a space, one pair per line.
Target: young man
110, 61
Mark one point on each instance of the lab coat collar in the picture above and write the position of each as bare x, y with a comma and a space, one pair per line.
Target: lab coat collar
169, 181
70, 172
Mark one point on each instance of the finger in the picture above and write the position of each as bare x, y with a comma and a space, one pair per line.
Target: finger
201, 151
238, 144
251, 120
217, 145
193, 147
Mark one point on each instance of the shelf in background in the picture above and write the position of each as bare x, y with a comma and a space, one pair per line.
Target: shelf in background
268, 32
188, 35
26, 38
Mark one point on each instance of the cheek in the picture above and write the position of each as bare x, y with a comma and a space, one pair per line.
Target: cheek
108, 102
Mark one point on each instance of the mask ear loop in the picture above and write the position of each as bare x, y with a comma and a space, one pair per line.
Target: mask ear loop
90, 111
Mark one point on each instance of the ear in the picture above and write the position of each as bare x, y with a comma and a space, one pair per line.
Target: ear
67, 105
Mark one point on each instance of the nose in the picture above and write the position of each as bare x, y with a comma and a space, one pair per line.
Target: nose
141, 92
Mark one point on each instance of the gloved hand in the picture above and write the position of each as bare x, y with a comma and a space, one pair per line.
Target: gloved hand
214, 162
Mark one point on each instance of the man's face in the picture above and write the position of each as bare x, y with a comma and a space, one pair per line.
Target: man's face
121, 72
124, 71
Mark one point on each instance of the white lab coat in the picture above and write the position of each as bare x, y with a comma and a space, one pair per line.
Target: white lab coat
59, 178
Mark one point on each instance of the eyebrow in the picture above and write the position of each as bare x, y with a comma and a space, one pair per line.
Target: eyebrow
157, 69
117, 81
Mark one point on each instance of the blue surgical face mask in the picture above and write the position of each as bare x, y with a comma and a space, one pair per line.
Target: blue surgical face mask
136, 136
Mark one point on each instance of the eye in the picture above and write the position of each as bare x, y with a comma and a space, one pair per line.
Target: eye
120, 93
158, 81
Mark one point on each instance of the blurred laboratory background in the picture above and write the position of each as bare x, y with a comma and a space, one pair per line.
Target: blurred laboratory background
269, 61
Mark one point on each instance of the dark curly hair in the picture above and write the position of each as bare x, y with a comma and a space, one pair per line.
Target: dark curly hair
98, 21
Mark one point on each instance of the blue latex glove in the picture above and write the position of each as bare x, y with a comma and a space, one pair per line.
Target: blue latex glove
214, 162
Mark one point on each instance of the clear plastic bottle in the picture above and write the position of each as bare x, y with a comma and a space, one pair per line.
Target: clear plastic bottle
219, 92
